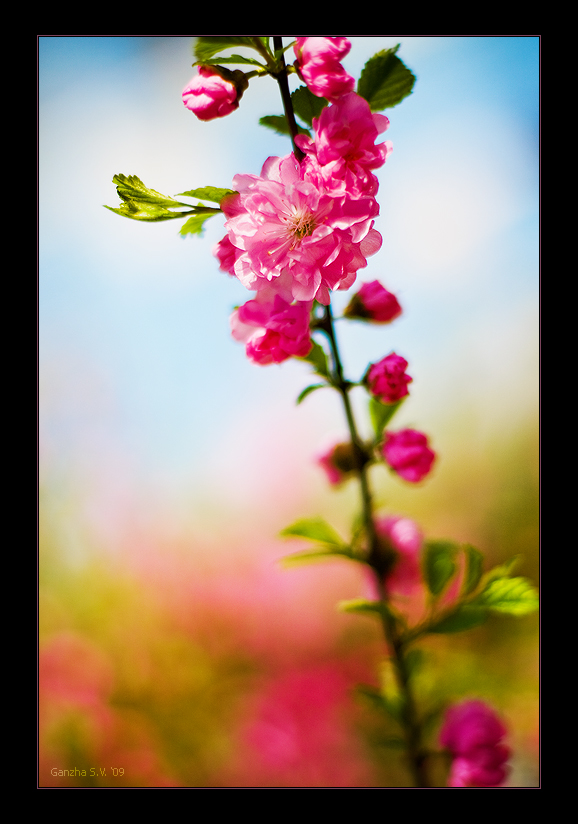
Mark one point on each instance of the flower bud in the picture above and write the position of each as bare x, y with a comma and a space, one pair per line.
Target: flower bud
472, 733
387, 380
214, 92
273, 331
373, 303
338, 462
407, 452
400, 542
319, 67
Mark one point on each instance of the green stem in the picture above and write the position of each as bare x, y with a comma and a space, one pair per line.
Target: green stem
415, 753
281, 77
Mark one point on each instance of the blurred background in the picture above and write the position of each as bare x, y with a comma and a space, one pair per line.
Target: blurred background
174, 650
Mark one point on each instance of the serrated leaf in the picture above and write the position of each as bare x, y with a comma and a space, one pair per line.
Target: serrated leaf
316, 529
212, 193
142, 203
307, 105
308, 390
381, 414
474, 568
206, 47
463, 618
194, 225
318, 358
515, 596
438, 564
385, 80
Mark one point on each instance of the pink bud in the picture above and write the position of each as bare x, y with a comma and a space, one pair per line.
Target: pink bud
318, 65
374, 303
213, 92
387, 379
472, 732
407, 453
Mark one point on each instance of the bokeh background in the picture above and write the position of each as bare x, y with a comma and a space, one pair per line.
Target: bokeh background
174, 650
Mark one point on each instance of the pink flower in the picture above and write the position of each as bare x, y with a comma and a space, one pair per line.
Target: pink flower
338, 462
373, 302
273, 331
407, 453
387, 379
290, 233
472, 733
402, 538
214, 92
319, 67
343, 153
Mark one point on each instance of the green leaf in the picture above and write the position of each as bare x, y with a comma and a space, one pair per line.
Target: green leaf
381, 414
206, 47
385, 80
308, 390
194, 225
233, 58
307, 105
212, 193
514, 596
463, 618
438, 563
142, 203
474, 568
312, 555
316, 529
278, 123
362, 605
318, 358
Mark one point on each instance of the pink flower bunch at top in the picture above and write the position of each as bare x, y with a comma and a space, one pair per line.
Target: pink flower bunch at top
343, 153
288, 232
319, 67
210, 95
387, 379
407, 453
373, 303
274, 330
472, 732
338, 461
404, 538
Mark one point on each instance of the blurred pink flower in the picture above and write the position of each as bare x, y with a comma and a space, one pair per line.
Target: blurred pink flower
319, 67
472, 733
338, 461
404, 538
387, 379
210, 95
291, 234
274, 330
407, 453
343, 152
373, 303
297, 733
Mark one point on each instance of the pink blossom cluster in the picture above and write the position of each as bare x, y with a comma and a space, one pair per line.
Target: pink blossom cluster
408, 453
472, 733
387, 380
213, 92
318, 64
273, 330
